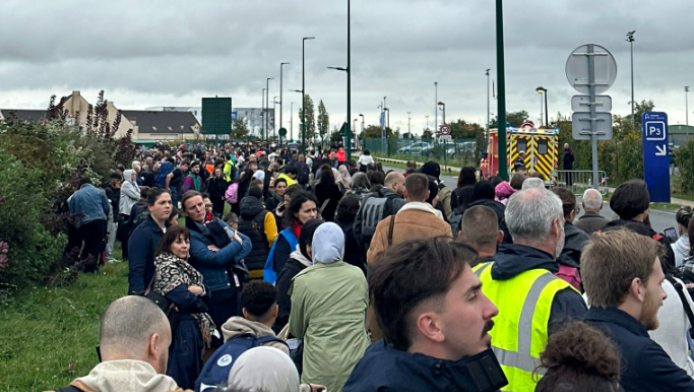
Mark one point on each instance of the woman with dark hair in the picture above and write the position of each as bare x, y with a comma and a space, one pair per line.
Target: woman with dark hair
377, 178
302, 208
182, 285
328, 193
364, 160
378, 166
244, 183
216, 187
579, 358
466, 178
298, 260
145, 238
360, 185
347, 211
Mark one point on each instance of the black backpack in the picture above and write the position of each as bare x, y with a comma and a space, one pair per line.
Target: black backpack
304, 172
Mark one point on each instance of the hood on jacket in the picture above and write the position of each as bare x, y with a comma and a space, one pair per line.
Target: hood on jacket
237, 326
328, 244
575, 238
127, 375
504, 190
127, 176
512, 260
298, 256
250, 207
431, 168
250, 371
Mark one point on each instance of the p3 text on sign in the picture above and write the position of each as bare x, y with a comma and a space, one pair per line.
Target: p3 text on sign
656, 162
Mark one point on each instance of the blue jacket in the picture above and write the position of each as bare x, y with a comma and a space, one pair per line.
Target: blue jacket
142, 244
213, 265
387, 369
645, 365
89, 204
512, 259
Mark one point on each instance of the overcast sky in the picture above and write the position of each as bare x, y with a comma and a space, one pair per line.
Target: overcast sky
172, 53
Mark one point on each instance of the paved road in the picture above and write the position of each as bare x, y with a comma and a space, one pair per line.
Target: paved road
660, 220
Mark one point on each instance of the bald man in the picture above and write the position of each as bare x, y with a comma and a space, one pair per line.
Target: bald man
134, 347
591, 221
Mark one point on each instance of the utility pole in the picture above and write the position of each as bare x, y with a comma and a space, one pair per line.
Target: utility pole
267, 107
262, 115
408, 123
291, 123
281, 99
436, 105
486, 129
686, 102
427, 116
630, 40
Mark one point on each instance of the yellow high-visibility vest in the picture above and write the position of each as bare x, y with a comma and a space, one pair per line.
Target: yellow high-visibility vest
520, 329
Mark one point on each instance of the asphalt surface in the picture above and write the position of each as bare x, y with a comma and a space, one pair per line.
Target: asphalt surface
660, 220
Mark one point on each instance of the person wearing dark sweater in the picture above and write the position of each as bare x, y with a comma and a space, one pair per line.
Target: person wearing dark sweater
328, 193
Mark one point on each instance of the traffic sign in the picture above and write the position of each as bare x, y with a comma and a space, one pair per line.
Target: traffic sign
578, 68
581, 127
581, 103
528, 124
445, 130
283, 132
656, 162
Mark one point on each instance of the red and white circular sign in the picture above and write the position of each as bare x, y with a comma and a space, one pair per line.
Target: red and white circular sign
445, 130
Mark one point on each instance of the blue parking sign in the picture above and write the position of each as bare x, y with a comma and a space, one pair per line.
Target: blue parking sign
656, 162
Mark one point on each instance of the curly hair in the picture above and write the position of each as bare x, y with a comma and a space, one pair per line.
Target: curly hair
579, 358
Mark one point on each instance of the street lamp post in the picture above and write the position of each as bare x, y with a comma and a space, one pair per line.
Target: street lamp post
302, 112
486, 133
275, 102
436, 108
630, 40
281, 89
443, 109
427, 116
303, 93
408, 123
387, 118
543, 91
362, 123
262, 116
686, 102
267, 107
291, 122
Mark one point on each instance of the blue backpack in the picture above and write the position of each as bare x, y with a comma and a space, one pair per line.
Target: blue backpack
216, 371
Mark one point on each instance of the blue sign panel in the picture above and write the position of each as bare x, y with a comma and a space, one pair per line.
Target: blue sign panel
234, 116
656, 163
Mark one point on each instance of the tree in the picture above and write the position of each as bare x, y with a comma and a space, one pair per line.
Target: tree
514, 119
427, 134
323, 119
239, 129
335, 136
310, 117
463, 130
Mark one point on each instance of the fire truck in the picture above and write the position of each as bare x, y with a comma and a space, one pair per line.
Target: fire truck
540, 147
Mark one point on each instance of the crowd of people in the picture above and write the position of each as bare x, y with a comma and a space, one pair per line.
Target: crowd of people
254, 268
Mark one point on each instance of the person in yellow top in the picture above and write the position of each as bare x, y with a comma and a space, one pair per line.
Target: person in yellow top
229, 169
260, 226
532, 302
289, 174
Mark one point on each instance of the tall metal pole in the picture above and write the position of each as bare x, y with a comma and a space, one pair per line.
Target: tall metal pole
281, 89
267, 107
486, 129
349, 79
501, 109
409, 131
546, 111
436, 107
262, 113
686, 102
593, 114
427, 121
291, 122
630, 39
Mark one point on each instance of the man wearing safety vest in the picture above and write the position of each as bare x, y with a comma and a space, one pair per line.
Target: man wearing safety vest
229, 168
532, 302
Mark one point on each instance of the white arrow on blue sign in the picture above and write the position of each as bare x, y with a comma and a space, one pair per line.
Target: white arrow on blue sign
656, 162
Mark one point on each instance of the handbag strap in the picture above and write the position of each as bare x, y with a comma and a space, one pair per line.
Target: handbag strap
149, 286
390, 230
683, 298
325, 204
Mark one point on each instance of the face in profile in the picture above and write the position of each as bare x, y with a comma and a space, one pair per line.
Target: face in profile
466, 319
653, 297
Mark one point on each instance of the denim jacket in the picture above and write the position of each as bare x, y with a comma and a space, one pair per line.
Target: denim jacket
89, 204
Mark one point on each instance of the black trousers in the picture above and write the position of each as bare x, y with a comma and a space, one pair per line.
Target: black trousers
123, 234
93, 235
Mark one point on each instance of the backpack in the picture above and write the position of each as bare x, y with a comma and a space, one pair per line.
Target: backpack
304, 171
141, 215
232, 194
455, 221
373, 210
216, 371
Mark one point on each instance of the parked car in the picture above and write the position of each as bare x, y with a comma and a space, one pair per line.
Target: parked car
415, 148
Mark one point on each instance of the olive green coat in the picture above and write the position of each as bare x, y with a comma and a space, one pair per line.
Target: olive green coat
328, 311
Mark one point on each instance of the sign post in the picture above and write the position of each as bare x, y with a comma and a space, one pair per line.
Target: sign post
656, 162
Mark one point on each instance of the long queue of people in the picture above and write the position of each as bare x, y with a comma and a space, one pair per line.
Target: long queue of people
334, 275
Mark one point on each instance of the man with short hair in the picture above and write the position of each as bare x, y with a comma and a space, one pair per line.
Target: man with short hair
479, 228
533, 183
134, 345
410, 167
435, 320
417, 219
378, 206
521, 282
591, 221
90, 208
623, 276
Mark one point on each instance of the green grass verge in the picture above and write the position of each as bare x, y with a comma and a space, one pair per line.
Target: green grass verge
49, 335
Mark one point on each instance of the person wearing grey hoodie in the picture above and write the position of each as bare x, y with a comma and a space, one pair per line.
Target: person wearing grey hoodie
129, 196
251, 372
329, 301
259, 301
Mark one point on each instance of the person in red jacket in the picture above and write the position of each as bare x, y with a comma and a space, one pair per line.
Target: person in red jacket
340, 155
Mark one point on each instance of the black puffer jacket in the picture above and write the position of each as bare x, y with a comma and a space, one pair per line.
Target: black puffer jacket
252, 224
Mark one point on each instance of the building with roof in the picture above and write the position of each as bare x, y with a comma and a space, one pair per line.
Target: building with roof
679, 134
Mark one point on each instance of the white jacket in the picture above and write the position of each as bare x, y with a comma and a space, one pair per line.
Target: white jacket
129, 193
681, 249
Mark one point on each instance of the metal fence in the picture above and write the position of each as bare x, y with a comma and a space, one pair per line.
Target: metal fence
577, 181
458, 152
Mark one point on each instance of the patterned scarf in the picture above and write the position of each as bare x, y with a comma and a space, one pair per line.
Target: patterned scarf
171, 272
